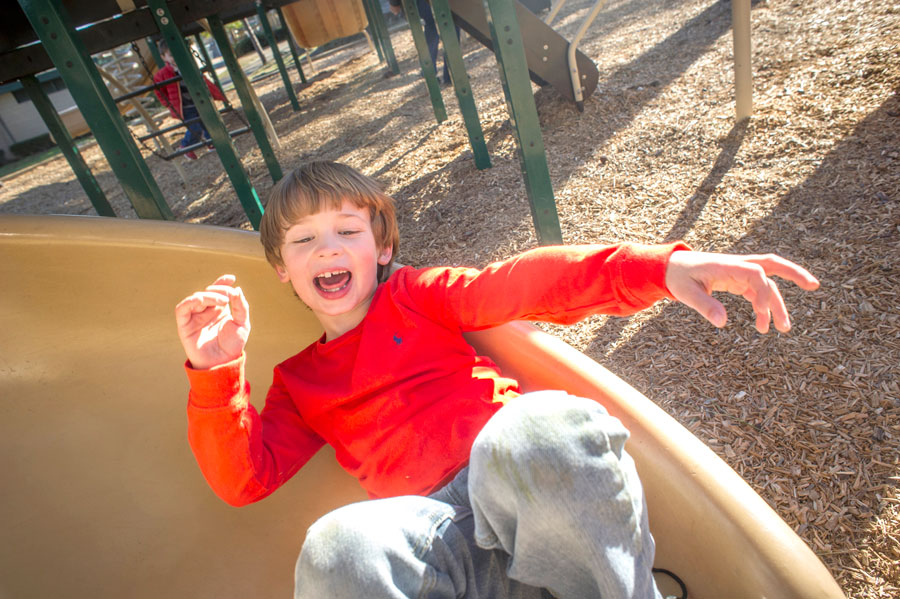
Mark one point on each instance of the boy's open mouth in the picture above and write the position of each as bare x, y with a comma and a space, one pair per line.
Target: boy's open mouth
332, 282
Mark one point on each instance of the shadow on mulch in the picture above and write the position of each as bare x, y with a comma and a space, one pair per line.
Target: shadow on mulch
842, 223
668, 60
695, 204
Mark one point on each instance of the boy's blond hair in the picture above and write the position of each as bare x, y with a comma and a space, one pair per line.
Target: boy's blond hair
321, 185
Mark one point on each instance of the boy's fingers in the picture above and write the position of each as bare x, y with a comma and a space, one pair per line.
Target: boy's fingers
708, 307
183, 311
240, 309
780, 267
225, 279
759, 293
779, 310
693, 278
205, 299
223, 288
198, 302
767, 302
234, 297
763, 316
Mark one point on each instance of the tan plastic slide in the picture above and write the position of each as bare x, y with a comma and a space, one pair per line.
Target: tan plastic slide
101, 496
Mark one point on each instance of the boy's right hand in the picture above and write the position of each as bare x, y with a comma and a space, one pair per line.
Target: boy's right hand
214, 324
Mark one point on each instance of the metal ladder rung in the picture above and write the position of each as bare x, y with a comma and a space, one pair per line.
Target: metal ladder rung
201, 144
179, 125
148, 88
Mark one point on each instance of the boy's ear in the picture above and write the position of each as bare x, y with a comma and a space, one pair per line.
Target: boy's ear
384, 257
282, 274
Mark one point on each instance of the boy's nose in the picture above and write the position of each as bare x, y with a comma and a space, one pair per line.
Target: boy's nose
329, 245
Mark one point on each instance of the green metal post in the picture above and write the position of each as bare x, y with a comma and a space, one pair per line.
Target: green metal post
510, 52
67, 145
418, 34
154, 51
54, 27
453, 55
242, 87
373, 31
291, 44
196, 85
276, 53
377, 19
370, 29
210, 66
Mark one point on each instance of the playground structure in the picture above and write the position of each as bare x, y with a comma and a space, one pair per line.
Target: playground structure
313, 23
525, 48
121, 68
101, 520
128, 73
106, 495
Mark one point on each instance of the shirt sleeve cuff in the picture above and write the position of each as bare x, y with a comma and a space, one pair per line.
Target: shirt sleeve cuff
217, 386
644, 269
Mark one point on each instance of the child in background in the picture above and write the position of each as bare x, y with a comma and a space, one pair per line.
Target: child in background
431, 33
176, 97
479, 491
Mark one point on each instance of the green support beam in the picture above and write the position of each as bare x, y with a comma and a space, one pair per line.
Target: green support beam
67, 145
65, 48
154, 51
196, 85
276, 54
510, 52
376, 19
376, 41
453, 55
428, 71
208, 62
373, 31
242, 87
290, 37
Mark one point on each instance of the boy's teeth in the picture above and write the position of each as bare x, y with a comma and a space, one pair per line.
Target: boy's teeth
333, 280
326, 275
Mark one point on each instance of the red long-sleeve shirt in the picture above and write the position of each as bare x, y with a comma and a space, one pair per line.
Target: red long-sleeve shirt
402, 396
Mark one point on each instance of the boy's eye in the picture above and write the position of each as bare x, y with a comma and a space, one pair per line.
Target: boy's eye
302, 240
349, 232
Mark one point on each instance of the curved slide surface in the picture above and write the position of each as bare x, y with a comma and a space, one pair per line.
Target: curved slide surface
101, 495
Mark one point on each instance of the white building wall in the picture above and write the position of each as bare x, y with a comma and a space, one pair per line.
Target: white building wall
22, 121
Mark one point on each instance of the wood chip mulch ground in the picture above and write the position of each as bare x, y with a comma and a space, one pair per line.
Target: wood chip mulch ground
809, 418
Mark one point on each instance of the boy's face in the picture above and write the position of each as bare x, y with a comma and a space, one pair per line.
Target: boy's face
331, 260
167, 56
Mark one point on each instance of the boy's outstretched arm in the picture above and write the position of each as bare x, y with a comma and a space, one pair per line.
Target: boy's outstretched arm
213, 324
692, 277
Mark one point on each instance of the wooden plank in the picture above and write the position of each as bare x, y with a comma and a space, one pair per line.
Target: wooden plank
18, 59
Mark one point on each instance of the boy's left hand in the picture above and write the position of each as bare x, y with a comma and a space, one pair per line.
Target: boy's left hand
692, 277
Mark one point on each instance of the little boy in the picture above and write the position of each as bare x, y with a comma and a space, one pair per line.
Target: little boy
176, 97
479, 491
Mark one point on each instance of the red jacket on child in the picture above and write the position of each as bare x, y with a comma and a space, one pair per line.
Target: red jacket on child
170, 95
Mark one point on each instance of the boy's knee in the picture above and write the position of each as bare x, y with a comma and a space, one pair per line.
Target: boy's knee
549, 428
369, 545
558, 461
336, 545
326, 539
556, 452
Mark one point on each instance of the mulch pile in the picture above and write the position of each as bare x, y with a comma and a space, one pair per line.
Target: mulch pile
809, 418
